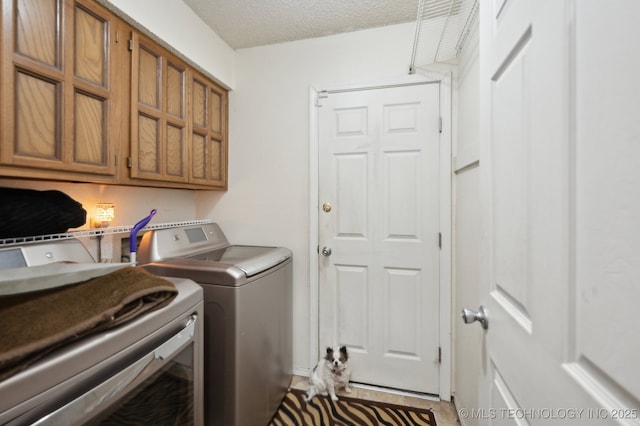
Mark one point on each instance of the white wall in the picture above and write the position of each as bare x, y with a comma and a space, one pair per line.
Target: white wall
176, 24
467, 233
268, 198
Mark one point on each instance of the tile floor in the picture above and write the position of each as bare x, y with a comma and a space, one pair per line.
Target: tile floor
445, 412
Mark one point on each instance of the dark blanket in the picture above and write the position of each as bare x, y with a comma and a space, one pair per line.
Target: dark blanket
34, 324
28, 212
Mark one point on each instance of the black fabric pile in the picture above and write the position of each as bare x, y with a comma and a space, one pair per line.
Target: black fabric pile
28, 212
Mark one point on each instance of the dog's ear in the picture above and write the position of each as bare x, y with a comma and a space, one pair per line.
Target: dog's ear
329, 355
343, 351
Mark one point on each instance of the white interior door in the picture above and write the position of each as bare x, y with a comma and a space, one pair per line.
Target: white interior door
379, 218
561, 226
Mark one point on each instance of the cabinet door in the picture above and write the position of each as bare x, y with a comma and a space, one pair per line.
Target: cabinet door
158, 114
56, 86
209, 133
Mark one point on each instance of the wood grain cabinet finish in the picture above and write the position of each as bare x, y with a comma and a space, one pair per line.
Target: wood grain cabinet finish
158, 119
85, 97
58, 103
208, 133
178, 121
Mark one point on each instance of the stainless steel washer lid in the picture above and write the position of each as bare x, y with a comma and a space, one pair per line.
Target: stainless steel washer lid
249, 259
205, 248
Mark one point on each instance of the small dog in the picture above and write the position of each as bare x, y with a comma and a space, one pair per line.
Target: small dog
330, 374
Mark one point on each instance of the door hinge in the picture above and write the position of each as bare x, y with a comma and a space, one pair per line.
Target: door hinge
440, 124
131, 45
323, 94
115, 160
129, 162
440, 240
439, 355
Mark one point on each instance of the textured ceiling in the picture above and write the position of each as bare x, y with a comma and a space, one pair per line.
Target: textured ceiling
248, 23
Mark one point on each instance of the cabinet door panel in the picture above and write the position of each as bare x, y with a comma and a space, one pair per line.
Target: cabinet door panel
209, 134
158, 94
217, 155
90, 44
216, 113
57, 98
175, 149
149, 78
199, 153
90, 130
217, 161
199, 110
175, 91
36, 30
37, 120
91, 91
149, 144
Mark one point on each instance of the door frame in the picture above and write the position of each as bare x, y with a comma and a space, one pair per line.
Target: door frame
445, 261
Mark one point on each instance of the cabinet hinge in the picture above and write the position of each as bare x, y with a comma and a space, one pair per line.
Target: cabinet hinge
129, 162
117, 36
440, 124
131, 44
115, 160
440, 240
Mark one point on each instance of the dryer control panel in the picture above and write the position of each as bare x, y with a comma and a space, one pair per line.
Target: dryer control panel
161, 244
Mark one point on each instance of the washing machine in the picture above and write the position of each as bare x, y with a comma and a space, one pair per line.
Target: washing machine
150, 365
248, 317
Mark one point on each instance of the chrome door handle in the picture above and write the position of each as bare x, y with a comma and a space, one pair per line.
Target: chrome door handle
326, 251
469, 316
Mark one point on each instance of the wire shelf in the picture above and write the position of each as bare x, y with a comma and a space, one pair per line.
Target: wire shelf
88, 233
441, 29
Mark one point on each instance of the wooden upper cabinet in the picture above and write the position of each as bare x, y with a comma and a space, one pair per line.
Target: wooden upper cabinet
80, 88
209, 133
178, 121
57, 95
158, 113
